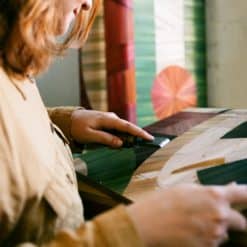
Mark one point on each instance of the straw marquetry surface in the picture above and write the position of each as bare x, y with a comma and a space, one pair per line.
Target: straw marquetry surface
145, 178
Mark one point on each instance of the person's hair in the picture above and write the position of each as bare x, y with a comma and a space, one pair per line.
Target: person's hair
28, 39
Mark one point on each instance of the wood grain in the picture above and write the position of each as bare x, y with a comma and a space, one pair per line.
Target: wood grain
144, 179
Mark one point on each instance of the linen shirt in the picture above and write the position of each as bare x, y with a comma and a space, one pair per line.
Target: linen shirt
39, 200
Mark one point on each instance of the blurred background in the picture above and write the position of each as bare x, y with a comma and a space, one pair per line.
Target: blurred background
132, 44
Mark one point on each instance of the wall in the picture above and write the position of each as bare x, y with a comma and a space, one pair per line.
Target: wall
227, 53
60, 85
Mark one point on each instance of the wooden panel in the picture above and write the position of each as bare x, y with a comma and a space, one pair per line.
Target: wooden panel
144, 179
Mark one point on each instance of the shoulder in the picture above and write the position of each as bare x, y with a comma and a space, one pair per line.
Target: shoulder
19, 158
5, 85
4, 78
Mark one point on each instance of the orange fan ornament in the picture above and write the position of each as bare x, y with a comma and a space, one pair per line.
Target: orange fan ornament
173, 90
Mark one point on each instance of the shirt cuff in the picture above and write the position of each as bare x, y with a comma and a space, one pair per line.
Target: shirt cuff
117, 229
61, 116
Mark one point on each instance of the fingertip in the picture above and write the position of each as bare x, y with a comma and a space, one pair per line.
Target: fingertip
147, 136
236, 221
150, 137
232, 184
116, 142
243, 227
236, 194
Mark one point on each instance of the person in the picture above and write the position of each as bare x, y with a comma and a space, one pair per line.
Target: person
39, 201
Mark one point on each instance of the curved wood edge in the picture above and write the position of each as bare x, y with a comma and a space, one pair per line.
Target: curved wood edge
144, 180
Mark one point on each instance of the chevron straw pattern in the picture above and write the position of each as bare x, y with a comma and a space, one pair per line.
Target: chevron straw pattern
94, 68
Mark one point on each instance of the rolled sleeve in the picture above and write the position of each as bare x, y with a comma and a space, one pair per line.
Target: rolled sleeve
61, 116
112, 229
117, 229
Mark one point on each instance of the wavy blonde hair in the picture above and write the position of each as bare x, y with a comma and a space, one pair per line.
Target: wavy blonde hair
28, 39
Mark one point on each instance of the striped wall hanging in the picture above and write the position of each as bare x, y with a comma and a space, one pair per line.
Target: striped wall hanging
195, 45
165, 33
93, 65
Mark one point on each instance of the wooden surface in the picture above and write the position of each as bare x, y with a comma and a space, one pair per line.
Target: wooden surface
201, 141
184, 151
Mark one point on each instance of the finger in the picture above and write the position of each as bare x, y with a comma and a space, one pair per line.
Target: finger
232, 183
236, 221
212, 243
105, 138
222, 240
125, 126
236, 194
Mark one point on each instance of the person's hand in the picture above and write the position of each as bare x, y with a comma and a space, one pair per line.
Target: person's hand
88, 126
189, 215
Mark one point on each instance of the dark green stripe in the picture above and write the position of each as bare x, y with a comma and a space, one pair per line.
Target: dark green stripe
195, 45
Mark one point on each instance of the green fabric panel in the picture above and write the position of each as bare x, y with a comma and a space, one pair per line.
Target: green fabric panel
224, 174
195, 45
145, 59
238, 132
112, 168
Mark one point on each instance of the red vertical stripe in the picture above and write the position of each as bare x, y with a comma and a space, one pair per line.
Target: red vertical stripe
120, 64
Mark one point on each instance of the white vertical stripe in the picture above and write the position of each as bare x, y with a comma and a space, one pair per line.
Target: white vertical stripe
169, 32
